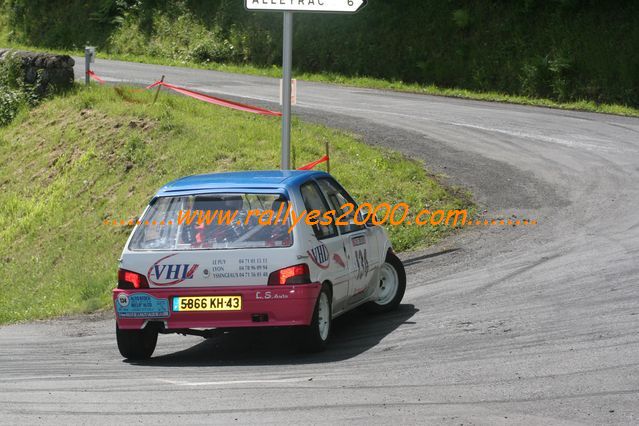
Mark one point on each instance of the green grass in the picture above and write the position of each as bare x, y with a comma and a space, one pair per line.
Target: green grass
368, 82
101, 152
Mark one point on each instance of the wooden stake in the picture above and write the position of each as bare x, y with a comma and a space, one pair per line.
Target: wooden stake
294, 157
157, 92
328, 162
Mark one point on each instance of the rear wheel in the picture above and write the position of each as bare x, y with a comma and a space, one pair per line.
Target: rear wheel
392, 285
136, 344
314, 337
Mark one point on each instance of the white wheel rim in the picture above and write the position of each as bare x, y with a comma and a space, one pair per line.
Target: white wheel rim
324, 316
388, 283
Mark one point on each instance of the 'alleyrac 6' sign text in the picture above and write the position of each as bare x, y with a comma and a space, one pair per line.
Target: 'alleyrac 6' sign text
347, 6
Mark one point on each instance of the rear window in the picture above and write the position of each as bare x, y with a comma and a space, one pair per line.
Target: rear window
214, 221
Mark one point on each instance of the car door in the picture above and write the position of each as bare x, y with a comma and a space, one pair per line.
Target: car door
360, 242
326, 247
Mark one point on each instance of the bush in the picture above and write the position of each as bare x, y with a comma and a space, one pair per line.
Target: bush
11, 101
129, 38
183, 38
212, 50
11, 73
15, 94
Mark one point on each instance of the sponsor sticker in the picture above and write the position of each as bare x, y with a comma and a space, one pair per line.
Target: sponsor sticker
359, 240
320, 256
166, 272
141, 305
123, 300
268, 295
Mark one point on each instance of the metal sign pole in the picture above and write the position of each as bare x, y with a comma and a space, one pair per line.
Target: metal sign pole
288, 7
287, 70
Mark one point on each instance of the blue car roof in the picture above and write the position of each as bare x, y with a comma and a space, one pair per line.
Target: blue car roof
266, 179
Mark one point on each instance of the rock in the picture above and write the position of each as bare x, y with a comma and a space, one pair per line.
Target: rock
53, 70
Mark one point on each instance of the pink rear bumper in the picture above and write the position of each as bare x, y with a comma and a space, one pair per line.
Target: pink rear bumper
283, 306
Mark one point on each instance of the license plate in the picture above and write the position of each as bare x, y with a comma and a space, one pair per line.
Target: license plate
207, 303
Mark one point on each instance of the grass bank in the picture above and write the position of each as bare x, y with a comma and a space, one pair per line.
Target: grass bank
100, 153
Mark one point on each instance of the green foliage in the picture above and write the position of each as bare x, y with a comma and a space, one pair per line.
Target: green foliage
182, 39
129, 38
14, 93
69, 23
11, 102
566, 50
11, 74
461, 17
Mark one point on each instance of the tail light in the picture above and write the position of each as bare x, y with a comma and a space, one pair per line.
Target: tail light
298, 274
131, 280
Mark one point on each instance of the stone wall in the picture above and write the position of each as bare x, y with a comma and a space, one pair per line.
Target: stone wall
44, 69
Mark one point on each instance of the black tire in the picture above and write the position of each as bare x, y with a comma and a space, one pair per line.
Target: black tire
311, 337
136, 345
375, 307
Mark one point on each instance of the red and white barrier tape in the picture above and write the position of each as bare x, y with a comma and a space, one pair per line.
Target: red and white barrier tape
312, 165
95, 77
217, 101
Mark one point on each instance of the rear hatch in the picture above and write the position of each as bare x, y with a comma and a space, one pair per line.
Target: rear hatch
208, 240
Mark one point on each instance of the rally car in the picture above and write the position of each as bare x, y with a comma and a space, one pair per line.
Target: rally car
197, 276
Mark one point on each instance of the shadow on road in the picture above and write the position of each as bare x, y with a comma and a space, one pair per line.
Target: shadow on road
353, 333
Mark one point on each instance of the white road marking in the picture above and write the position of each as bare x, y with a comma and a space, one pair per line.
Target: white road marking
550, 139
519, 134
234, 382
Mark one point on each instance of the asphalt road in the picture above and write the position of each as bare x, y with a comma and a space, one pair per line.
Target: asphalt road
499, 325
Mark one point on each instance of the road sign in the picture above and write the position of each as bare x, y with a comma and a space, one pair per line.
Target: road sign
335, 6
